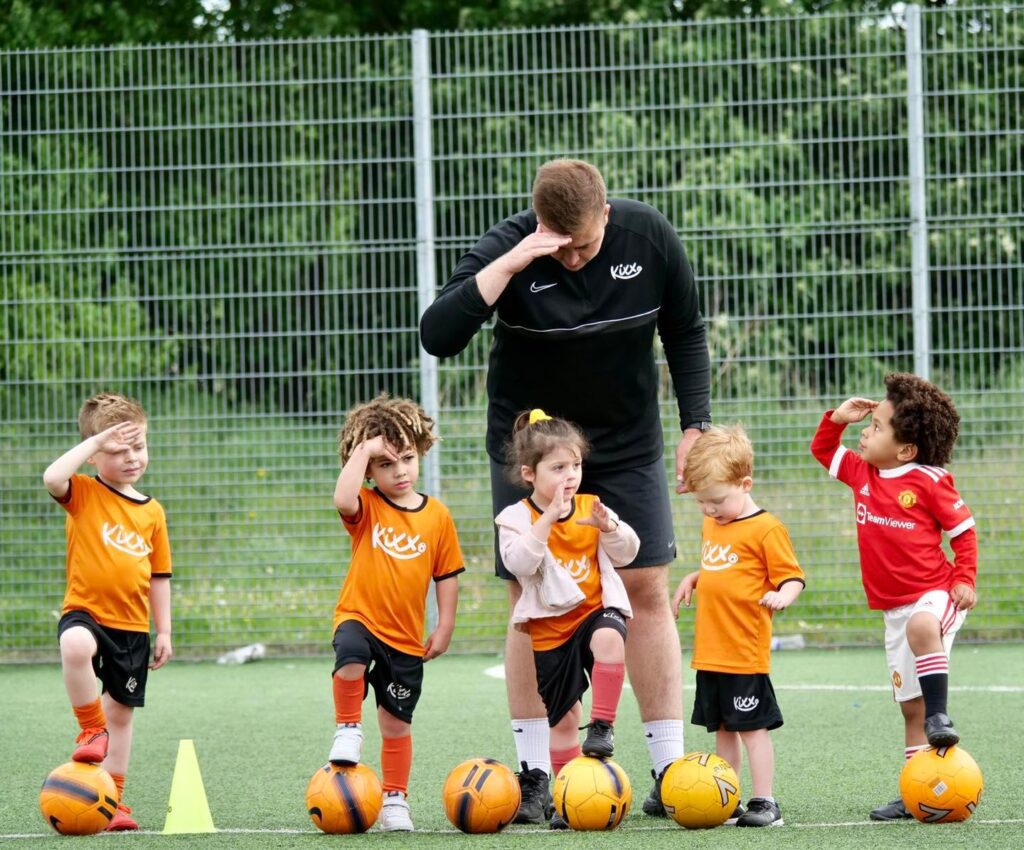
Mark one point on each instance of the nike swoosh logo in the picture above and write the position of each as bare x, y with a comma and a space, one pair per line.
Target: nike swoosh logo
535, 288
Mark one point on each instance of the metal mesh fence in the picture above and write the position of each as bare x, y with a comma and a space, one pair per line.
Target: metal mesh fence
229, 233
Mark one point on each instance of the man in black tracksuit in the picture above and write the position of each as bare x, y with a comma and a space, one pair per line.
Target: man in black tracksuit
579, 285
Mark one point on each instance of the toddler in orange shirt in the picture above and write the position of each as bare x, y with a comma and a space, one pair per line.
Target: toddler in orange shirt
748, 571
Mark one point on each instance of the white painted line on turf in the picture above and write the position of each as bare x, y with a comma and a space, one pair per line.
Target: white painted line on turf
498, 672
629, 827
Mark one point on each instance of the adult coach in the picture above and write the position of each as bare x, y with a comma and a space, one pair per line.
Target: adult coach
580, 284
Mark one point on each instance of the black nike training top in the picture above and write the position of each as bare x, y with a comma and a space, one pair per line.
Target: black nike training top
580, 344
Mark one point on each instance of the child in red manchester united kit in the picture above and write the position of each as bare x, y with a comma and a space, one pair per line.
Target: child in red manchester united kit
118, 570
904, 501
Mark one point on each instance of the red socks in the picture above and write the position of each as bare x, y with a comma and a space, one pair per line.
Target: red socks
560, 758
606, 680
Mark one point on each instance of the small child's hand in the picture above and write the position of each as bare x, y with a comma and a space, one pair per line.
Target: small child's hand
685, 590
119, 437
379, 447
963, 596
853, 410
774, 601
162, 651
600, 517
558, 504
437, 643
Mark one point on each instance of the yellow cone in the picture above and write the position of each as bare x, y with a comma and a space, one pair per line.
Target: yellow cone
187, 809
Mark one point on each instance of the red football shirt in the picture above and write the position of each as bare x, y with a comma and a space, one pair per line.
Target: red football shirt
901, 514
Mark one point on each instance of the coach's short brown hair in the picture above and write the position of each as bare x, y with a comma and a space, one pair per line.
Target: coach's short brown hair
568, 194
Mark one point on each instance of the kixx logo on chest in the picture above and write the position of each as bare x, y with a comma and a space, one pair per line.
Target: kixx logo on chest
124, 540
626, 271
578, 568
400, 545
716, 557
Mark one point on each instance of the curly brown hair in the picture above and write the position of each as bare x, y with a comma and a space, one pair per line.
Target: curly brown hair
400, 421
923, 415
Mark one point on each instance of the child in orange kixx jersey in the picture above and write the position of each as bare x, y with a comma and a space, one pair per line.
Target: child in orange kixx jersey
748, 571
118, 569
563, 547
401, 539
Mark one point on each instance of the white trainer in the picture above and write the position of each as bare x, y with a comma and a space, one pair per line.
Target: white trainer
394, 814
348, 744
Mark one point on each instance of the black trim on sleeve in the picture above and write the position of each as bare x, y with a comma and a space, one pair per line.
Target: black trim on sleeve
788, 580
449, 575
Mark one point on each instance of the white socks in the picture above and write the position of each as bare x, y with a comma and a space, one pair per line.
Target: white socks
664, 742
533, 737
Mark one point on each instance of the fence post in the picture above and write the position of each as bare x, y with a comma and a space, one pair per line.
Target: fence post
920, 290
426, 276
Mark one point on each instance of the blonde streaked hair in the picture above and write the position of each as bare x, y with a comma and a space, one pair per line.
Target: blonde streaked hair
104, 410
400, 421
722, 455
568, 194
532, 440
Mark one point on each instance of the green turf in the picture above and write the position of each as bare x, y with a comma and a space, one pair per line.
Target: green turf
260, 730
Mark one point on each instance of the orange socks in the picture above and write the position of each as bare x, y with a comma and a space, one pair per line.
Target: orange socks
90, 715
348, 699
119, 782
396, 763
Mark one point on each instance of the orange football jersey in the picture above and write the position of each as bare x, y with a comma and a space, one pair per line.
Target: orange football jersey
574, 546
740, 562
116, 544
395, 553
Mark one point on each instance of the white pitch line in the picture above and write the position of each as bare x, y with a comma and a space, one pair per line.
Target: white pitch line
665, 827
498, 672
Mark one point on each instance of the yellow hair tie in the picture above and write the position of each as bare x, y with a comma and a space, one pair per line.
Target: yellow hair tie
538, 415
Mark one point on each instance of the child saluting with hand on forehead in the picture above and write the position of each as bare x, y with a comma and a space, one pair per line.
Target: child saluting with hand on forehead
401, 540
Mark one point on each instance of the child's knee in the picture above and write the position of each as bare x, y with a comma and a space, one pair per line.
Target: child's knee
570, 721
118, 714
392, 726
77, 646
350, 671
608, 647
924, 632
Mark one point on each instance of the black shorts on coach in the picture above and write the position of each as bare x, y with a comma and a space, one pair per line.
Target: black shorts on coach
397, 678
737, 702
121, 661
563, 672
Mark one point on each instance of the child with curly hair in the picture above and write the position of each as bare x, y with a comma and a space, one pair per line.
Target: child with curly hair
401, 539
904, 501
